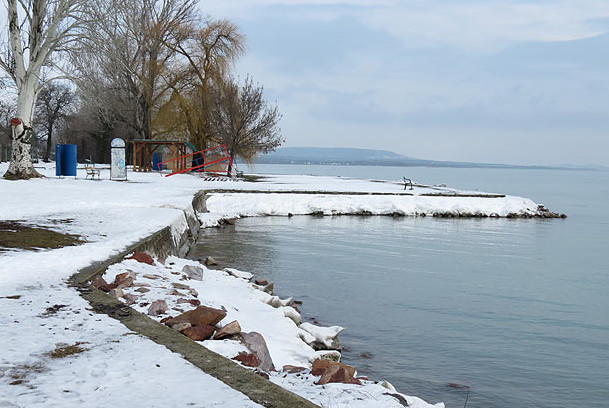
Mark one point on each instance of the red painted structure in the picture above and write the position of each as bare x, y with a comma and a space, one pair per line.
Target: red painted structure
202, 161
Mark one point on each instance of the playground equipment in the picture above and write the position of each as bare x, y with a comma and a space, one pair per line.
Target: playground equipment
215, 160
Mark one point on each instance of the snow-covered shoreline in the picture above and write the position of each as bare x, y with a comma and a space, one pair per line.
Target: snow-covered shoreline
255, 311
41, 313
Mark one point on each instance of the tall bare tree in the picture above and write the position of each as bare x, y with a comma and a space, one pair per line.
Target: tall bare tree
7, 111
208, 53
55, 102
126, 60
242, 119
36, 30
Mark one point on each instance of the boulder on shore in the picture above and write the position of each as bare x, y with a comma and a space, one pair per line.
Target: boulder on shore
157, 307
193, 272
257, 345
228, 330
201, 316
142, 257
332, 372
199, 333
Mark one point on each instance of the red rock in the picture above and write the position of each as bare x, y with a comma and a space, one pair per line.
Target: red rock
321, 365
101, 284
164, 319
337, 374
201, 316
157, 307
125, 279
332, 372
142, 257
247, 359
261, 282
194, 302
228, 330
199, 333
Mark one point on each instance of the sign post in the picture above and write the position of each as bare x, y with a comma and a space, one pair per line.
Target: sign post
118, 168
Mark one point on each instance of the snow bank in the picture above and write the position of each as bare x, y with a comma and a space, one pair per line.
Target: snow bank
232, 205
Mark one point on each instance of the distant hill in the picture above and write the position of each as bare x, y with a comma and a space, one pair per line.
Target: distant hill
365, 157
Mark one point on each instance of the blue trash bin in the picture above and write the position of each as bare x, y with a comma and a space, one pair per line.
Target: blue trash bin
156, 159
69, 160
65, 160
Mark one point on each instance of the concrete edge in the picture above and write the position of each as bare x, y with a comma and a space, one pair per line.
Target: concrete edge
255, 387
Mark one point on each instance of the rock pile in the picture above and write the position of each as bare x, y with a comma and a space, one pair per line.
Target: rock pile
204, 322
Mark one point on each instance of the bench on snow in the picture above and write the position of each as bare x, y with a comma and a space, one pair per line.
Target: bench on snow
91, 170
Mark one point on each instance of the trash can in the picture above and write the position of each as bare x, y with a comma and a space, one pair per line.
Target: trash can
65, 160
157, 158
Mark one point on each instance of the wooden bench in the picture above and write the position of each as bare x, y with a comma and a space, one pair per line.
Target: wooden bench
91, 170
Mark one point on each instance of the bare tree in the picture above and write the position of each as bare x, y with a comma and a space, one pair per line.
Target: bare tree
55, 102
36, 30
7, 111
208, 53
125, 60
241, 119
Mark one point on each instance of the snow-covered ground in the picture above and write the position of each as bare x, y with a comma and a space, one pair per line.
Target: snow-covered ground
55, 352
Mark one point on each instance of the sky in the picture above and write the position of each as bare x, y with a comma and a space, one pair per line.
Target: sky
501, 81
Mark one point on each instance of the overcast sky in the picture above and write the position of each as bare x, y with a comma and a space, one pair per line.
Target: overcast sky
502, 81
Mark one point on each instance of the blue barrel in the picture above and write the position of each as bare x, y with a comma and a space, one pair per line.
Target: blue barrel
68, 160
65, 160
156, 159
58, 156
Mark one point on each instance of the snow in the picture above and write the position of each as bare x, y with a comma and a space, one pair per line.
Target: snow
113, 366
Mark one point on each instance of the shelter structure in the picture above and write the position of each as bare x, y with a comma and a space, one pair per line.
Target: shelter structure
143, 152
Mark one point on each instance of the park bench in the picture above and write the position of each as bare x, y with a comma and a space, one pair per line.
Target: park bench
91, 170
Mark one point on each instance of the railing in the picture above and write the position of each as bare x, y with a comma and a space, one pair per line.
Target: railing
202, 160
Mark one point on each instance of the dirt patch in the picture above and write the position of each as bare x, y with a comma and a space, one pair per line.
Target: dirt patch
65, 350
16, 235
53, 310
19, 375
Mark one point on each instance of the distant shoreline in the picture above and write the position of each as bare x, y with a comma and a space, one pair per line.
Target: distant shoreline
263, 160
368, 157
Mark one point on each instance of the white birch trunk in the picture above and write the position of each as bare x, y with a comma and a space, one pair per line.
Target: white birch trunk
21, 166
49, 26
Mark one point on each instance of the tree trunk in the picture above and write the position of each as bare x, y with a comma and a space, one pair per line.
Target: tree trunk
21, 166
47, 154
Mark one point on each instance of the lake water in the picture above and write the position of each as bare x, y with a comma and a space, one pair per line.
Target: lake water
517, 310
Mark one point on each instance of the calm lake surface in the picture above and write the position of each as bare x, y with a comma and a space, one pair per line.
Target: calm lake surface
517, 310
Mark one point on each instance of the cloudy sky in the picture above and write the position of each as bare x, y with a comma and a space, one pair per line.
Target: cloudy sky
503, 81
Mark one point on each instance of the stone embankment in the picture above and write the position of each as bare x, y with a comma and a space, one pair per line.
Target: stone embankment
542, 212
